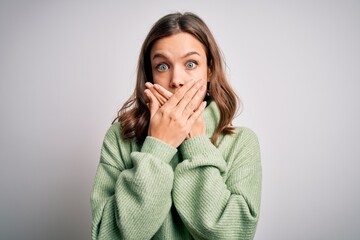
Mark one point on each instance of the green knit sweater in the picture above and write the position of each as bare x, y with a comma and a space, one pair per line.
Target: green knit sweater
198, 191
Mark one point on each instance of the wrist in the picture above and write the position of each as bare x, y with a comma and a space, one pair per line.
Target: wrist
158, 148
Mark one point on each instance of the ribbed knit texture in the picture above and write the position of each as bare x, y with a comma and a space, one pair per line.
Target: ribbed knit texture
198, 191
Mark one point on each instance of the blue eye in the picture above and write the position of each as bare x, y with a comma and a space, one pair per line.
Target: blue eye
162, 67
191, 65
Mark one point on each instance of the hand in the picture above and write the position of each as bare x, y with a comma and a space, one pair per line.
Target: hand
173, 120
162, 95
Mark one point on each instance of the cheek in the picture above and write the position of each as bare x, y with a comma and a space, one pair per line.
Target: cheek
202, 72
195, 74
157, 78
161, 79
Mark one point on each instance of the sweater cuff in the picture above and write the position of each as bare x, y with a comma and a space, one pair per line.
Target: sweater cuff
158, 148
198, 145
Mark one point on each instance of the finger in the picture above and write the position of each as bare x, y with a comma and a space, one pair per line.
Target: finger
149, 85
165, 93
162, 100
195, 102
153, 104
156, 93
178, 96
192, 99
197, 113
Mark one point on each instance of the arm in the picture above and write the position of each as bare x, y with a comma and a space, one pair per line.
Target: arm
216, 201
132, 191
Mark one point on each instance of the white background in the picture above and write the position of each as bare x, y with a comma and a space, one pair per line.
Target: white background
66, 67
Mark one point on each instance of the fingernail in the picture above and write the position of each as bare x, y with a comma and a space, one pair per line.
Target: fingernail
156, 86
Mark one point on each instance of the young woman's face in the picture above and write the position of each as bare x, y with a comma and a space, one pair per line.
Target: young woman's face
177, 59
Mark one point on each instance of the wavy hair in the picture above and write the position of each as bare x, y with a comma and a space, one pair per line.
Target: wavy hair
134, 116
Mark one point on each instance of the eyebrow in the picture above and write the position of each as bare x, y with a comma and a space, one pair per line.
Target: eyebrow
160, 55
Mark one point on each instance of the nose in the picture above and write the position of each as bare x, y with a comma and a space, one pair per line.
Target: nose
177, 78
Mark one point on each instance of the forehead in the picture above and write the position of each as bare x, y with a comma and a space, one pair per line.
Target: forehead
178, 45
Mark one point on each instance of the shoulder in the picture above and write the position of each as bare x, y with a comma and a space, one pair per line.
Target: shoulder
114, 135
241, 135
241, 149
248, 143
114, 131
246, 135
248, 140
115, 150
243, 141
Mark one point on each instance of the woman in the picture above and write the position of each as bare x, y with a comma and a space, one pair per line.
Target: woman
173, 166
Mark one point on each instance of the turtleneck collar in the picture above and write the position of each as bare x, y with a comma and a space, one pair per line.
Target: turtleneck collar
211, 117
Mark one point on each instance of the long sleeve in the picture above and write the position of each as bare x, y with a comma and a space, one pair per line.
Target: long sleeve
132, 190
217, 191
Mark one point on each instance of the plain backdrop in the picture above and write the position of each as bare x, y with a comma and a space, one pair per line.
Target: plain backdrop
66, 67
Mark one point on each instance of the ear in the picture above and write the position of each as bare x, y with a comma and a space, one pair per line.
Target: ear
209, 66
209, 73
